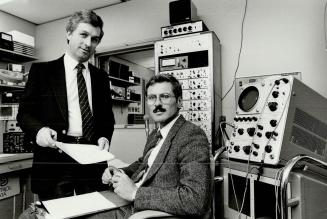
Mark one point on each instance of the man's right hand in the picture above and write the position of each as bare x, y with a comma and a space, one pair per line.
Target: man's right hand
108, 174
46, 137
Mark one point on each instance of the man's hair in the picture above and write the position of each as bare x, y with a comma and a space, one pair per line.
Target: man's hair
84, 16
159, 78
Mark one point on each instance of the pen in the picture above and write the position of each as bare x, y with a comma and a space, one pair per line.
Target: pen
113, 169
41, 206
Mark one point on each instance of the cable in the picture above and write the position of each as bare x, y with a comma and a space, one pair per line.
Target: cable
229, 167
240, 50
325, 11
246, 185
277, 177
232, 181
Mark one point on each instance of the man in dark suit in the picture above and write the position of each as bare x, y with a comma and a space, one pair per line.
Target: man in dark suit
67, 100
173, 175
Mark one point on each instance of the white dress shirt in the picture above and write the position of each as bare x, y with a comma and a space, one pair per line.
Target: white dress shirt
74, 112
164, 132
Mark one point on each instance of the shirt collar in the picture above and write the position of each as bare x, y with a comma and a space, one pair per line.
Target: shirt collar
71, 63
165, 130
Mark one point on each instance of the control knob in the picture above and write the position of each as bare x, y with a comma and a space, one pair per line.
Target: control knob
268, 149
273, 122
275, 94
272, 106
247, 149
251, 131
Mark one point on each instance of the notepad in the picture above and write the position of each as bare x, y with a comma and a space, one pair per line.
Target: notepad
85, 153
75, 206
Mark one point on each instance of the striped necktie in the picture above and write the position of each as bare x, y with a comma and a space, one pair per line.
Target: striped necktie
87, 117
144, 166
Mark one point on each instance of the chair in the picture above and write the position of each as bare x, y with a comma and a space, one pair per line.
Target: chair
210, 214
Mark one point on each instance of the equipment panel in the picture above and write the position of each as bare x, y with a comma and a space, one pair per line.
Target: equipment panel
277, 118
195, 61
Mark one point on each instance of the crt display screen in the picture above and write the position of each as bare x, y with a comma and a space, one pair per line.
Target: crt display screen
248, 98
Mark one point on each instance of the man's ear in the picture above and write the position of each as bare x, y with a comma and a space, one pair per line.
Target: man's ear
68, 35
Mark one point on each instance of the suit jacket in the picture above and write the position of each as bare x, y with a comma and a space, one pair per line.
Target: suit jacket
179, 181
44, 104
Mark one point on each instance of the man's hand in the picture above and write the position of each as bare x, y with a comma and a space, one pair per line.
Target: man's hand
108, 174
124, 186
103, 143
46, 137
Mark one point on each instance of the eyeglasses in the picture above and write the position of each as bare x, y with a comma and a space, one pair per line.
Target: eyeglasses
164, 98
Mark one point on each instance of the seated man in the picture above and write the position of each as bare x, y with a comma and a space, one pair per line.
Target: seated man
173, 175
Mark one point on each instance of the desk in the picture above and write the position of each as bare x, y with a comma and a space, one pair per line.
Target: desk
111, 196
15, 168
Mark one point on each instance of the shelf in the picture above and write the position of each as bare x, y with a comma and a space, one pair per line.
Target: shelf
11, 56
123, 82
4, 87
125, 101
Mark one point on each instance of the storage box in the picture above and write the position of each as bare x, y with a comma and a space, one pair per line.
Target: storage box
9, 186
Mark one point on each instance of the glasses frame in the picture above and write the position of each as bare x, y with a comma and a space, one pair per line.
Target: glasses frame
164, 98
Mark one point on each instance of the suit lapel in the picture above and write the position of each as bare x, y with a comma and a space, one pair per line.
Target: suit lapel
160, 159
58, 84
94, 87
145, 151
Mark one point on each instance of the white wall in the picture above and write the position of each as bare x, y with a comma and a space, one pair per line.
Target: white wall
9, 22
279, 36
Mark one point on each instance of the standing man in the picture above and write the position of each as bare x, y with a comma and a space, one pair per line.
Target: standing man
67, 100
173, 175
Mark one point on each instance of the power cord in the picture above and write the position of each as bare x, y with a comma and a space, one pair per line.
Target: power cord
240, 50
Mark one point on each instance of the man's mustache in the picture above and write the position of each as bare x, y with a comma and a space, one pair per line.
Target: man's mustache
159, 108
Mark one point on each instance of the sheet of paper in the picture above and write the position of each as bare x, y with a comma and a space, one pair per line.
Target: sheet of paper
117, 163
85, 153
78, 205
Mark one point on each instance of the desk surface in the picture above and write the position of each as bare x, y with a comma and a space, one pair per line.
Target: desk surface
15, 162
4, 158
110, 195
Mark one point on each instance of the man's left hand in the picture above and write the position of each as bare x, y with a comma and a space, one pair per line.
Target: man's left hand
124, 186
103, 143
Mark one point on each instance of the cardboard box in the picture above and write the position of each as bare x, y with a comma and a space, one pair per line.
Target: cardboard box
9, 186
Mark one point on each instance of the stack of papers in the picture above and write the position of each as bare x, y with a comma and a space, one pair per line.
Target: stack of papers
85, 153
75, 206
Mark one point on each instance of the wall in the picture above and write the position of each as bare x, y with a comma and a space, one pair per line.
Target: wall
9, 22
279, 36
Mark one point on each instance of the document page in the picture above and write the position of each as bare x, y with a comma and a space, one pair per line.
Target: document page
78, 205
85, 153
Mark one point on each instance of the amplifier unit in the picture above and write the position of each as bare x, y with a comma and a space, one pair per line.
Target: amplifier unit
8, 111
135, 119
182, 29
13, 142
6, 41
